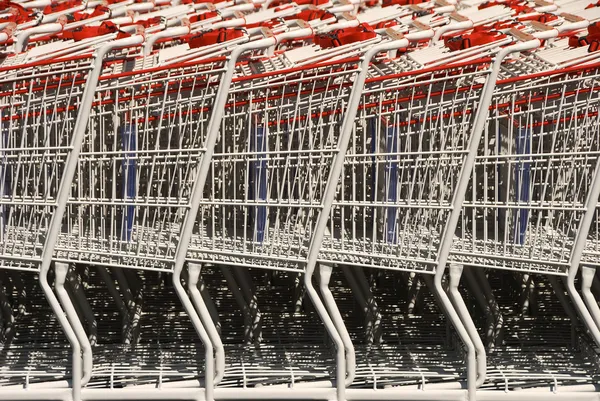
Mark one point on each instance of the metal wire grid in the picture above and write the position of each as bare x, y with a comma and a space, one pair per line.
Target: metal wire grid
540, 347
38, 112
145, 137
410, 137
591, 253
534, 168
34, 349
270, 166
156, 215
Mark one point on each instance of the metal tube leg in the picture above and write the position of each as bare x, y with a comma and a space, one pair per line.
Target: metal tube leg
134, 325
562, 298
189, 220
134, 281
62, 197
62, 270
494, 307
212, 309
7, 316
134, 287
17, 282
340, 353
194, 270
77, 366
463, 312
533, 295
578, 246
2, 327
128, 298
246, 284
239, 298
200, 330
325, 271
298, 294
337, 165
483, 303
77, 286
564, 301
414, 287
357, 291
124, 287
360, 298
114, 293
527, 282
587, 277
446, 306
371, 304
596, 285
459, 196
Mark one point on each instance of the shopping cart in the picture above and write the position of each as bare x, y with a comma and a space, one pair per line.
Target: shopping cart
41, 135
253, 162
526, 206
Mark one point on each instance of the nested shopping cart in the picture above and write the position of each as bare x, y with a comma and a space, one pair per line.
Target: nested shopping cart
42, 110
255, 162
279, 145
416, 129
149, 131
534, 188
146, 136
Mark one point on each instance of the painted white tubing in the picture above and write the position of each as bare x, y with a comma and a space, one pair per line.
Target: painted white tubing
167, 33
22, 37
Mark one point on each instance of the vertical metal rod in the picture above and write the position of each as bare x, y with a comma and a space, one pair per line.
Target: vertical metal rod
62, 197
463, 312
194, 271
325, 271
459, 196
239, 298
62, 270
337, 165
246, 285
116, 296
189, 219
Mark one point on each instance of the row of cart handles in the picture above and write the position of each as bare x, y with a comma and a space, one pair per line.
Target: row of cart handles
498, 35
481, 35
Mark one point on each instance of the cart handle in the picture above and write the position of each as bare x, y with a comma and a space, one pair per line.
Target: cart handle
575, 23
22, 38
174, 32
462, 23
304, 32
543, 31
